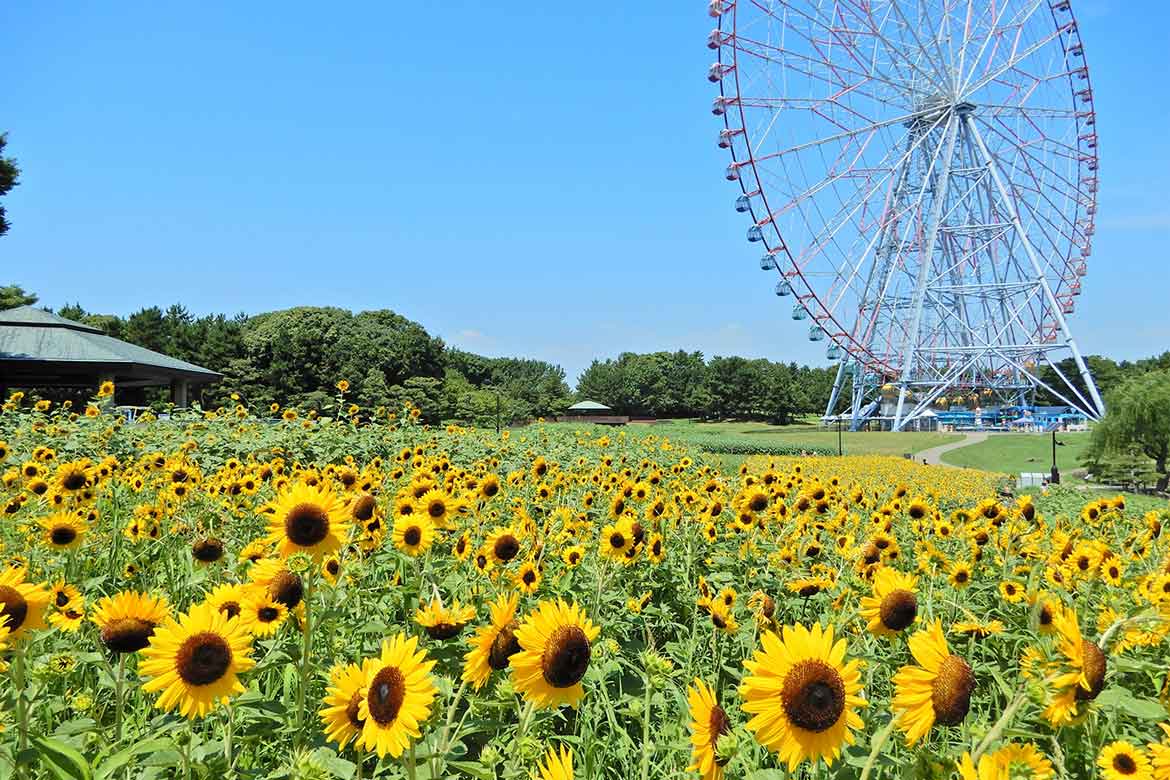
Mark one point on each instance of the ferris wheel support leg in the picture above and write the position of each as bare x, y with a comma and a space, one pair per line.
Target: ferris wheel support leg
1029, 250
840, 380
925, 266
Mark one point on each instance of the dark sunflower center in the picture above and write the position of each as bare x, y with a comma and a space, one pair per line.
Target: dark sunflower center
363, 508
506, 547
444, 630
62, 598
529, 577
436, 509
306, 525
333, 567
230, 608
961, 577
504, 646
951, 692
412, 536
566, 657
758, 503
1124, 763
351, 712
74, 480
718, 725
1094, 671
287, 588
898, 610
1045, 616
207, 550
386, 694
490, 489
203, 659
62, 535
813, 695
267, 614
617, 541
639, 533
13, 607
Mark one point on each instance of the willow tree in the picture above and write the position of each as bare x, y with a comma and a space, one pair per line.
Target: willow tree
1137, 421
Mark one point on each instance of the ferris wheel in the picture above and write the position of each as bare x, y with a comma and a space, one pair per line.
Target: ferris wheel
922, 175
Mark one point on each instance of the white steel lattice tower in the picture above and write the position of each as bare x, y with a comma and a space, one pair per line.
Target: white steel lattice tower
922, 175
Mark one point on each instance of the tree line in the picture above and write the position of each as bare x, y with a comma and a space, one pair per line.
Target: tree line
683, 384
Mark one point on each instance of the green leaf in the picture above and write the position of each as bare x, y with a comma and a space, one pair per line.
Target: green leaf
1123, 700
64, 761
473, 769
122, 757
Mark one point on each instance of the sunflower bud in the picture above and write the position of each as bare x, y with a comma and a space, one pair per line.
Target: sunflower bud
530, 749
299, 563
726, 748
490, 756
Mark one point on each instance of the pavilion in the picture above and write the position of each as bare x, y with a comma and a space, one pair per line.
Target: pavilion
40, 349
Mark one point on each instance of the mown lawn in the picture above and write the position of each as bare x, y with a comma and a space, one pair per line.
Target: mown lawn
1016, 452
860, 443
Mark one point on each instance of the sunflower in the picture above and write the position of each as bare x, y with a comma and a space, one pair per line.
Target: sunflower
554, 654
128, 619
342, 700
413, 534
1079, 674
262, 614
938, 690
194, 661
493, 645
307, 519
281, 584
228, 599
709, 722
68, 619
960, 575
656, 549
207, 551
72, 478
802, 695
721, 617
1024, 761
65, 595
22, 604
572, 556
438, 506
396, 696
616, 539
1122, 761
1012, 591
556, 766
502, 544
528, 577
977, 628
63, 530
331, 569
893, 606
444, 622
1159, 753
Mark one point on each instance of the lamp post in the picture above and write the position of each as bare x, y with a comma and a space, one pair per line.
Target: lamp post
840, 439
1054, 478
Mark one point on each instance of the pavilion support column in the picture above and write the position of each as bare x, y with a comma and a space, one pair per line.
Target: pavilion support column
179, 391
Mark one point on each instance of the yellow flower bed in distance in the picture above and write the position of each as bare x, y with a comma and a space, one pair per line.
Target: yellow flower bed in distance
348, 593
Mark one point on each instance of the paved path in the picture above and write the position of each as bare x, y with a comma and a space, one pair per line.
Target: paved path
933, 456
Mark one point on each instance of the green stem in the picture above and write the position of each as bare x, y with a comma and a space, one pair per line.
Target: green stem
875, 748
18, 680
410, 764
1000, 725
646, 727
227, 739
119, 697
444, 743
305, 657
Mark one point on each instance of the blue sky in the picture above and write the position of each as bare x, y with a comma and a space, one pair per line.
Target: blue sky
537, 179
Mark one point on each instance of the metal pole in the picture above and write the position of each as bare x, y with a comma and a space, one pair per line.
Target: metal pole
926, 265
497, 412
1013, 214
840, 440
1055, 479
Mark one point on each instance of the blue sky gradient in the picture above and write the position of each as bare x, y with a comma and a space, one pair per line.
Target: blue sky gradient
536, 179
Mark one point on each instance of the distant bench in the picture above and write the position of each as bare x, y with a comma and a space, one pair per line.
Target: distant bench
594, 419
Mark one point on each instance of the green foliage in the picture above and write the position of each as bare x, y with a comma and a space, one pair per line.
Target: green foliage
1134, 435
682, 384
9, 178
13, 295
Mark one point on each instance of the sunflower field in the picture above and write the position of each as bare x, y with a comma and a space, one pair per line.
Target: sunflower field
352, 594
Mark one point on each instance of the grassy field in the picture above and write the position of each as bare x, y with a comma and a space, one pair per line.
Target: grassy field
1016, 452
798, 436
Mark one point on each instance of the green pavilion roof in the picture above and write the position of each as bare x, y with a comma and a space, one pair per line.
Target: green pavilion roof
40, 348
